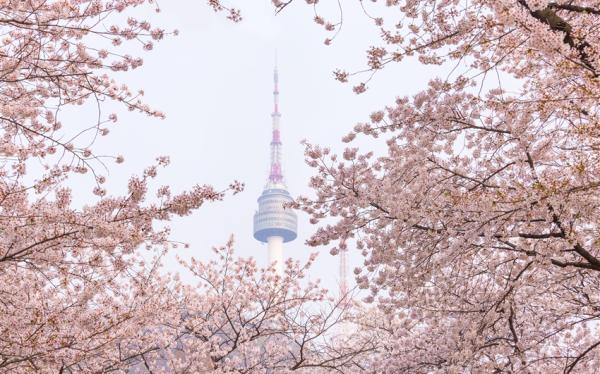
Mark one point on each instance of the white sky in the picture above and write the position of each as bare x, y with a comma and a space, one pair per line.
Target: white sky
214, 81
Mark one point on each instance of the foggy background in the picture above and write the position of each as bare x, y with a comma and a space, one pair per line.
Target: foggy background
214, 81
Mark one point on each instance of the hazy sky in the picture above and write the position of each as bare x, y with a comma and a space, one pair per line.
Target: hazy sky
214, 81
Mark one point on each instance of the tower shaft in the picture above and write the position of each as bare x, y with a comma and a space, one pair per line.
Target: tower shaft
275, 248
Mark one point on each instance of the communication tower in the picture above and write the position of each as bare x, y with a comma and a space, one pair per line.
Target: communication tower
274, 223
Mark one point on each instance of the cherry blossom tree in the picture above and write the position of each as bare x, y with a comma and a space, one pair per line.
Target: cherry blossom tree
480, 225
81, 288
240, 318
76, 294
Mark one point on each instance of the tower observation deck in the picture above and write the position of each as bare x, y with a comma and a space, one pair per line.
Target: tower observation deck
274, 223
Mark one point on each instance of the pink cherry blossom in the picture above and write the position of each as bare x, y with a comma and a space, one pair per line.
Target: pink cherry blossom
479, 224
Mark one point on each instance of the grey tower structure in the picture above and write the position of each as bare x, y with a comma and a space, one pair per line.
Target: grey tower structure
274, 223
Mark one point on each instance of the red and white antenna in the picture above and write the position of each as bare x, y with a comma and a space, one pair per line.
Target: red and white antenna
344, 297
275, 174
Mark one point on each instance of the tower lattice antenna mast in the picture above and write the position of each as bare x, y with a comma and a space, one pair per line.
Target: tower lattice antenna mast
343, 274
275, 173
344, 297
343, 271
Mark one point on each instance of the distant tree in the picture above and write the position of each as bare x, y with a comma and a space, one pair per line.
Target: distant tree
480, 225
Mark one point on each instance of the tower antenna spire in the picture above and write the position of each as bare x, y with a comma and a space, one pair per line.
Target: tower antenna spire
275, 174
